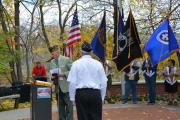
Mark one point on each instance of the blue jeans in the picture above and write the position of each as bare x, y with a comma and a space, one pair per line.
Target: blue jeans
130, 86
151, 85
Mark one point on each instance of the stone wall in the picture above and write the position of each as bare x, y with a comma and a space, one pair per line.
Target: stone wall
141, 88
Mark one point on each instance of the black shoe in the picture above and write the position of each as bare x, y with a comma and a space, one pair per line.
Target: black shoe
150, 103
170, 102
134, 102
124, 102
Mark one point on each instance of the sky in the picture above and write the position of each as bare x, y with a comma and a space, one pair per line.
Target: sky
50, 17
51, 14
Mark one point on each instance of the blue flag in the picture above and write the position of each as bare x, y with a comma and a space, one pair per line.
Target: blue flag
98, 43
162, 43
117, 44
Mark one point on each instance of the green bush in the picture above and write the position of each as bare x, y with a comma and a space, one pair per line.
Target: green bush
118, 98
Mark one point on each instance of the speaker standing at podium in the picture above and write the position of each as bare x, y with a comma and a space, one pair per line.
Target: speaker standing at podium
61, 85
88, 83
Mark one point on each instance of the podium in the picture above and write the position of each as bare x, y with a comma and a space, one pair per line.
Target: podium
41, 107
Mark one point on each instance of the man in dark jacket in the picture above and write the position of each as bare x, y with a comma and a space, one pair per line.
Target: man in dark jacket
150, 73
131, 78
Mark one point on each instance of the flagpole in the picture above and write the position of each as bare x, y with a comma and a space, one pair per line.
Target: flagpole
122, 78
117, 22
104, 39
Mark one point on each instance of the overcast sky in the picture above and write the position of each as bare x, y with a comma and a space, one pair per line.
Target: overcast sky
51, 14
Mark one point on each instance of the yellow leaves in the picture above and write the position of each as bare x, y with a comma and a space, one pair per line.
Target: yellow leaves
137, 2
8, 2
109, 46
9, 5
40, 50
164, 63
142, 4
133, 1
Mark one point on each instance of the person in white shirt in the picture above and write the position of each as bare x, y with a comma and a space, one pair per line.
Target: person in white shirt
88, 84
171, 84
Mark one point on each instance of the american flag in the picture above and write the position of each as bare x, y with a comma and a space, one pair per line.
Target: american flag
69, 51
75, 33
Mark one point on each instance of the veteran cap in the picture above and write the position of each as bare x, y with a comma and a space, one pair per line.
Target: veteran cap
53, 48
86, 47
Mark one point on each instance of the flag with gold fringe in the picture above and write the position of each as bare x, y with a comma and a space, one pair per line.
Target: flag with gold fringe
98, 42
162, 43
129, 48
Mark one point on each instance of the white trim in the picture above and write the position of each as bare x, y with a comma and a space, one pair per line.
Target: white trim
168, 79
73, 33
74, 38
149, 73
74, 27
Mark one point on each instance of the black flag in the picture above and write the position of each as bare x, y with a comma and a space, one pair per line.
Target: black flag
129, 44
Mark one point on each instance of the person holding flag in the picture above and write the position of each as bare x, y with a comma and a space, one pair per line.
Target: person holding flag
162, 43
109, 74
170, 74
150, 74
98, 44
131, 78
127, 47
126, 50
99, 49
160, 46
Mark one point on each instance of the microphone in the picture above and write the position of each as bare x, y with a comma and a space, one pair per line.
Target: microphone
50, 59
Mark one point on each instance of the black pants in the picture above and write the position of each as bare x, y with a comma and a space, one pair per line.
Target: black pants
88, 104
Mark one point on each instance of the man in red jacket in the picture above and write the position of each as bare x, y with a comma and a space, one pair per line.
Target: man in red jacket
39, 72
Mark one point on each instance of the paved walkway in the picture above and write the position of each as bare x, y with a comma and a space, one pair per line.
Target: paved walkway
113, 112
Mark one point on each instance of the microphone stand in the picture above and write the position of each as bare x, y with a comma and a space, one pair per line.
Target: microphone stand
57, 86
58, 89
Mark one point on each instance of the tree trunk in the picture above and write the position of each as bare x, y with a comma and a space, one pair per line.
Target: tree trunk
27, 65
60, 20
42, 24
17, 40
28, 45
151, 15
13, 73
5, 30
61, 25
3, 23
